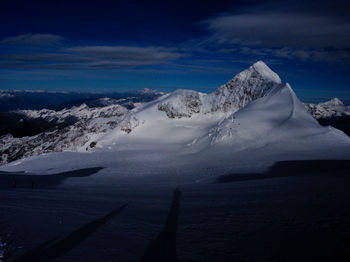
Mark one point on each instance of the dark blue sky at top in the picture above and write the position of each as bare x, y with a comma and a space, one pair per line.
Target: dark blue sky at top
118, 46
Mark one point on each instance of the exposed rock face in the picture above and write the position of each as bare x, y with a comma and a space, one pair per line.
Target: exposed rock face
331, 108
182, 103
245, 87
333, 113
91, 122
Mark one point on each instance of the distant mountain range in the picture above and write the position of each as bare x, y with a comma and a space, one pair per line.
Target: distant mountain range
36, 100
332, 112
254, 108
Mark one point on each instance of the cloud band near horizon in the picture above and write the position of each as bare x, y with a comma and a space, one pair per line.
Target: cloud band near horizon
22, 54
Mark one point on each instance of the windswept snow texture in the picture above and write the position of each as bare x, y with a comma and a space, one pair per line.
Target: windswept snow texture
245, 126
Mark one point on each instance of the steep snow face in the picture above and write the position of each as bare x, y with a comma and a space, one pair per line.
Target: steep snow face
247, 86
277, 116
331, 108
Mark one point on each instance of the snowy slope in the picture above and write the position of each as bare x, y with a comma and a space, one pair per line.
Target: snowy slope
245, 125
278, 115
190, 143
267, 111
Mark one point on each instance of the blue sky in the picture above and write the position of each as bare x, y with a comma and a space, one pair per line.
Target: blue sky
115, 46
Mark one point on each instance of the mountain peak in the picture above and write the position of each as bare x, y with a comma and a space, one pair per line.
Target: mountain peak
335, 101
251, 84
328, 110
261, 68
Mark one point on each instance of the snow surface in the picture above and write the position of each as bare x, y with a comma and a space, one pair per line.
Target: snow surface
279, 115
273, 126
266, 72
290, 216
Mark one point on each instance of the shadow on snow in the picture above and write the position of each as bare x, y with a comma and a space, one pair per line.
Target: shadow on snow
27, 180
163, 248
294, 168
54, 248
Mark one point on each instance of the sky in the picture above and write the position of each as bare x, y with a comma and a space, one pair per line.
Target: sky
117, 46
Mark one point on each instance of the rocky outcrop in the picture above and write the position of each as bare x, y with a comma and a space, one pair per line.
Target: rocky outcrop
245, 87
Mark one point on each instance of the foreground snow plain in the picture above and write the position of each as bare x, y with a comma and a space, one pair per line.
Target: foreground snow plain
299, 213
234, 207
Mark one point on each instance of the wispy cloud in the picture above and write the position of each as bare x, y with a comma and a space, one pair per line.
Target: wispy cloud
281, 29
124, 55
292, 53
286, 35
32, 39
80, 57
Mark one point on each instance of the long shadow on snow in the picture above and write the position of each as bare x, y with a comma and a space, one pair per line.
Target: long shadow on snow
163, 248
52, 249
24, 180
295, 168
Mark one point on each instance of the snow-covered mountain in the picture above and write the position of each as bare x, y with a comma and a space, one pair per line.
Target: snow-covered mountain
253, 115
81, 113
89, 123
253, 109
247, 86
328, 109
331, 113
39, 99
